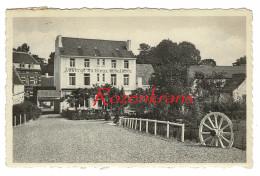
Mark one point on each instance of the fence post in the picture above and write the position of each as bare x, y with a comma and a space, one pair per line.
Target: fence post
182, 132
168, 129
155, 127
124, 122
135, 123
132, 123
24, 117
128, 121
146, 125
20, 119
14, 120
140, 126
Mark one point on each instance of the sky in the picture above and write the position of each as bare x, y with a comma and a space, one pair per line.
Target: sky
220, 38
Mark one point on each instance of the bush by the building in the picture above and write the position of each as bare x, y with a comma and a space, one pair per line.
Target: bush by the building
26, 109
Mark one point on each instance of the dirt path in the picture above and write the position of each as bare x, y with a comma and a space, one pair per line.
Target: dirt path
55, 140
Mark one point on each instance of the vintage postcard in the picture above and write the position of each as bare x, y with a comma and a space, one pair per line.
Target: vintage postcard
128, 88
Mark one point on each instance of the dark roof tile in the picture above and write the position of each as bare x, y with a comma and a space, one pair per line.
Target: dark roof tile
16, 78
22, 57
228, 71
95, 47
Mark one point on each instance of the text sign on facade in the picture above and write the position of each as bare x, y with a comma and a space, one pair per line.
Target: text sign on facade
90, 70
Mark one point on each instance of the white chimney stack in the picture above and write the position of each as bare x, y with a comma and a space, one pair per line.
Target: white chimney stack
128, 45
59, 41
46, 75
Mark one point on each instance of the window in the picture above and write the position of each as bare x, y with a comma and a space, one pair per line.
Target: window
22, 65
86, 79
97, 62
72, 62
72, 79
27, 80
126, 80
97, 53
126, 64
103, 77
104, 62
113, 79
113, 63
118, 52
98, 77
36, 80
86, 63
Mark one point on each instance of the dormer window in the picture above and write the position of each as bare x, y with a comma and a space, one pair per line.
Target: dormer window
118, 52
22, 65
79, 50
97, 53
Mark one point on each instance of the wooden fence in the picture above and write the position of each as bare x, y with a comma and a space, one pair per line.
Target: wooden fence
19, 120
132, 123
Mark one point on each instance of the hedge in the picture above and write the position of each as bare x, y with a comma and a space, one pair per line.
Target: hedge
27, 108
83, 115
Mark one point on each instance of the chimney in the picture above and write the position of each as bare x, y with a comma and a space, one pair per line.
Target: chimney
128, 45
59, 41
46, 75
139, 82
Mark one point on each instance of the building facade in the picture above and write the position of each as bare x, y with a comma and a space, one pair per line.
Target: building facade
81, 63
18, 88
29, 71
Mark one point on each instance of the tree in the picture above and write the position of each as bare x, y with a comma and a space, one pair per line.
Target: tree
189, 54
144, 51
140, 107
210, 62
170, 75
23, 48
240, 61
49, 68
209, 87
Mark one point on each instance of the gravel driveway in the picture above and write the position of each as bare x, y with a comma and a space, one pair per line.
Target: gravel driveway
51, 139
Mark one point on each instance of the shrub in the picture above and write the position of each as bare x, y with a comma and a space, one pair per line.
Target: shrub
116, 119
82, 115
28, 108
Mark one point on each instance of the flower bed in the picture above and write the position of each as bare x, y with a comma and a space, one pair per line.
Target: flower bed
82, 114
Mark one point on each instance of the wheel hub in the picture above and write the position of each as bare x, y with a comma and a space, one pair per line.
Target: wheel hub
215, 132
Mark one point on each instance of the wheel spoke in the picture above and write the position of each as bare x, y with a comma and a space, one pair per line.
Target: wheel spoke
205, 132
216, 120
216, 142
207, 126
211, 122
225, 139
207, 139
212, 141
224, 127
220, 123
229, 133
221, 143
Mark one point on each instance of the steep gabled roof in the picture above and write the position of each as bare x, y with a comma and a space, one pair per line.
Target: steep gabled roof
47, 81
228, 71
234, 83
94, 47
22, 57
48, 94
145, 71
16, 78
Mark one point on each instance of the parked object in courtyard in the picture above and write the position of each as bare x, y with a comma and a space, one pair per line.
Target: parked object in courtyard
216, 129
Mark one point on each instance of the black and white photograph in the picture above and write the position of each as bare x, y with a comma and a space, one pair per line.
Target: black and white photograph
146, 86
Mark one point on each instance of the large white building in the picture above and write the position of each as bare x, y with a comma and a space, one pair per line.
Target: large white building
81, 63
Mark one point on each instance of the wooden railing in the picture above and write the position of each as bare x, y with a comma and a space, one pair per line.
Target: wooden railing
19, 120
132, 123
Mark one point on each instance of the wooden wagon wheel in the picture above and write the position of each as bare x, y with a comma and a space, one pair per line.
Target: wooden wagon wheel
216, 129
